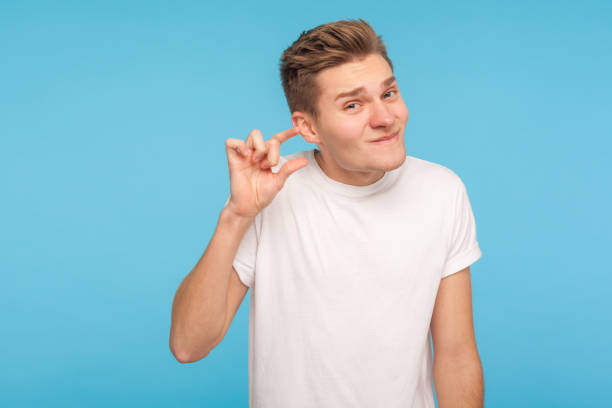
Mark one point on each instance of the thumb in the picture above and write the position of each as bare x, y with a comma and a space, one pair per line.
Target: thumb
289, 168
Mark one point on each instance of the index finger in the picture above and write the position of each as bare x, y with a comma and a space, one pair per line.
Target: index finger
286, 134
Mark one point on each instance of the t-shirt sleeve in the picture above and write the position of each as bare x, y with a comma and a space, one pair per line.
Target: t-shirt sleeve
464, 249
244, 261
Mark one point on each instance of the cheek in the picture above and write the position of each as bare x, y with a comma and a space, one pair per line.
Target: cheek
346, 129
403, 112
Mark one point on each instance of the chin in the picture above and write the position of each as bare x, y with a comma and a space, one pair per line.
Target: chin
392, 160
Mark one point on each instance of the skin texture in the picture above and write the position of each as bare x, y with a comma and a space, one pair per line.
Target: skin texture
457, 370
253, 185
345, 127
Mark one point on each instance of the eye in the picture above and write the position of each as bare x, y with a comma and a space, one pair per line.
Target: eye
390, 93
351, 106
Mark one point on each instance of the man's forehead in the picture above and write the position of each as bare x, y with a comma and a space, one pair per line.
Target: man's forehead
362, 89
355, 77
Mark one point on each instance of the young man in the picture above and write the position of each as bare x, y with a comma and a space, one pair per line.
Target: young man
353, 261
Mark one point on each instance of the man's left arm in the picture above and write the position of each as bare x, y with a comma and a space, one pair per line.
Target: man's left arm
457, 371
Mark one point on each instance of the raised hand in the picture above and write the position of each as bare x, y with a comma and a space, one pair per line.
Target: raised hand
253, 185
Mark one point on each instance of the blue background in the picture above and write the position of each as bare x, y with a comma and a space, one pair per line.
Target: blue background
113, 118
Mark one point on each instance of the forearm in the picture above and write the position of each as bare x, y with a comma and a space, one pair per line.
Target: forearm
459, 381
199, 306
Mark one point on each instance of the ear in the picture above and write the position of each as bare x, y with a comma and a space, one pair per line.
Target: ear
306, 125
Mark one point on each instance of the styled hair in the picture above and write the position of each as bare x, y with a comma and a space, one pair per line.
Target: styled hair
324, 46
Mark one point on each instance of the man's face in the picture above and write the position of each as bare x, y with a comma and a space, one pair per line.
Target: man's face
359, 103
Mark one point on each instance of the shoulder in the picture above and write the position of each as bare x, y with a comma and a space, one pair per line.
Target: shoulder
434, 174
440, 187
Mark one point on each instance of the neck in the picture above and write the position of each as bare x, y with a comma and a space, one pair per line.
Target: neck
339, 174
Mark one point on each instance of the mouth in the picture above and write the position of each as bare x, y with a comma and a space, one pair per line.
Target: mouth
386, 139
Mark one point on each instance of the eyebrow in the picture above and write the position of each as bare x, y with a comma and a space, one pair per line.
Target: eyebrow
359, 90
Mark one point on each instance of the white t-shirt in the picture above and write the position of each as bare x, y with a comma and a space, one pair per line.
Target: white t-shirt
343, 283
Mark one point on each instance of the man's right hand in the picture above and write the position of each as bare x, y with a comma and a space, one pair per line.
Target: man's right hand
253, 185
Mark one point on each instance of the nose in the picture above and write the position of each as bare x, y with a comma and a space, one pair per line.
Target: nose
381, 115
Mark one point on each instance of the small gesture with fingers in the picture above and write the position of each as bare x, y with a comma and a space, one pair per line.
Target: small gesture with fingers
253, 185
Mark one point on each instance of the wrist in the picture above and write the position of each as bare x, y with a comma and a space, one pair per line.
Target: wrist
229, 217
